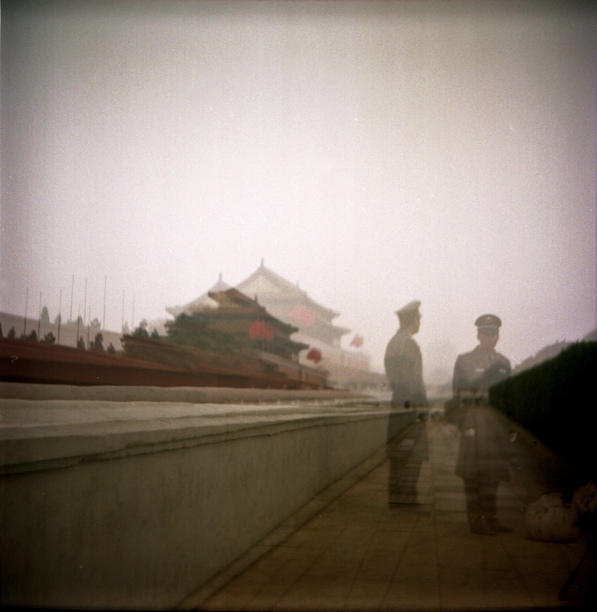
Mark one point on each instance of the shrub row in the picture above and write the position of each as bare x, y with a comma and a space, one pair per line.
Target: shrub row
555, 401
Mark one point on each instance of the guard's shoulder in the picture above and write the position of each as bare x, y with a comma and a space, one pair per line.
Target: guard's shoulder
466, 356
401, 344
393, 343
398, 337
394, 338
503, 359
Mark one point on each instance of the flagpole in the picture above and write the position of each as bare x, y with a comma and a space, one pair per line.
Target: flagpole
39, 318
104, 317
78, 323
72, 289
85, 303
59, 316
25, 318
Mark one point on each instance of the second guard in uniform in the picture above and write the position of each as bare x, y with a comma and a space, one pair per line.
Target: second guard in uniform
483, 460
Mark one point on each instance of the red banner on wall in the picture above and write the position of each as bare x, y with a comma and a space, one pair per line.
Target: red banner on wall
261, 331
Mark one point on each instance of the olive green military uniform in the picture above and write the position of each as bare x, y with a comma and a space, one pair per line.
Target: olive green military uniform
485, 438
404, 370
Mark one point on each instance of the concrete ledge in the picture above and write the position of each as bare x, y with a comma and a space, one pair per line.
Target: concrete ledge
139, 504
44, 435
214, 395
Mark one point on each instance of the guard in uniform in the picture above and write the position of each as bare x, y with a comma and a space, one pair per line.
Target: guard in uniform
483, 460
404, 370
403, 361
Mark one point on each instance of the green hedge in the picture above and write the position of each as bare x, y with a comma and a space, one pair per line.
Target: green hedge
555, 401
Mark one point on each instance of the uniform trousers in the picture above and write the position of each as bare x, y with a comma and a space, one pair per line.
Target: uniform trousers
481, 500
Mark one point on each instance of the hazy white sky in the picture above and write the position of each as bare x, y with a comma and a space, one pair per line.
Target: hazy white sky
375, 152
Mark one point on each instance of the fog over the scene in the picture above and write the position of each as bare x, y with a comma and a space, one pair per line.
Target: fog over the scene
373, 152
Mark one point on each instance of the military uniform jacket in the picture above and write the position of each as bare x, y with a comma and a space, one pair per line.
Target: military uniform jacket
404, 369
484, 451
478, 370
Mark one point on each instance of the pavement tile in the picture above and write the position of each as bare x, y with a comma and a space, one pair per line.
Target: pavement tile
412, 593
226, 601
389, 540
378, 565
456, 556
546, 566
496, 559
483, 589
313, 592
544, 588
358, 554
505, 589
280, 582
366, 595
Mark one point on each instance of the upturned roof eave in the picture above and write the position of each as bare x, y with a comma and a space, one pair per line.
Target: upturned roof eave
287, 286
219, 285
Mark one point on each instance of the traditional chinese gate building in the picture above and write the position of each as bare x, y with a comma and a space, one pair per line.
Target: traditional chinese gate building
314, 324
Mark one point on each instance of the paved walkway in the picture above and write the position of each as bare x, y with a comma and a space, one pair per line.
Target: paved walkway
357, 553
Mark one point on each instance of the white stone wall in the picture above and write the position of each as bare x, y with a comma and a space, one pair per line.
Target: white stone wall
137, 504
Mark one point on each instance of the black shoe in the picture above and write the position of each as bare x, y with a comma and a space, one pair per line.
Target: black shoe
497, 526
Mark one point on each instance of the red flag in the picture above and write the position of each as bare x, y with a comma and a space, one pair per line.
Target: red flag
267, 332
357, 341
256, 330
314, 355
